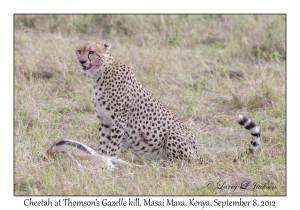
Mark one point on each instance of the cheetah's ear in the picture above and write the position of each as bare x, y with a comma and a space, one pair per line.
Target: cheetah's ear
107, 47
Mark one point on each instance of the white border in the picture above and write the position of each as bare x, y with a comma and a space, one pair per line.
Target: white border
254, 6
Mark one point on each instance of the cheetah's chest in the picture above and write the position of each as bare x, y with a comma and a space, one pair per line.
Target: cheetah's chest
99, 101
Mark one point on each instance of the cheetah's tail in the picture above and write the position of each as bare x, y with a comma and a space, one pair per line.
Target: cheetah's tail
249, 125
255, 132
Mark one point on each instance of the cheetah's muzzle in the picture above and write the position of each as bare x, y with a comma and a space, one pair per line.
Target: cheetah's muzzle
85, 68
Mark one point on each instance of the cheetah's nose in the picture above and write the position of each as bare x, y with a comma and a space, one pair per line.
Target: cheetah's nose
82, 61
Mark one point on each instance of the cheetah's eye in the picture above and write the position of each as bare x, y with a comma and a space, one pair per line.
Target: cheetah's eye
91, 52
79, 51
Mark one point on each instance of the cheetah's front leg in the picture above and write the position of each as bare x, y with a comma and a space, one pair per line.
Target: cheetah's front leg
117, 133
105, 135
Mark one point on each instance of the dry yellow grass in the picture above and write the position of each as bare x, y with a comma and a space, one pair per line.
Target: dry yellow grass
206, 69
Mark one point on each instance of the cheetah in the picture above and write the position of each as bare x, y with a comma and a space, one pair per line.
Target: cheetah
131, 118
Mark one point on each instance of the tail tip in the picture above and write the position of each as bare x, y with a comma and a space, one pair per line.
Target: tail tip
240, 118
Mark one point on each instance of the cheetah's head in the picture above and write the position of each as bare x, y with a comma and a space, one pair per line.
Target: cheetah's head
91, 56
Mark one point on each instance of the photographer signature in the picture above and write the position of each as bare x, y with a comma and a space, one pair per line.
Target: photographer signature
245, 185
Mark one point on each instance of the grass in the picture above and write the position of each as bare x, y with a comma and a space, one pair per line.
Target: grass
206, 69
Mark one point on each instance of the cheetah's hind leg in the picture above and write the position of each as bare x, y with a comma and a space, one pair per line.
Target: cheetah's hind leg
182, 149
